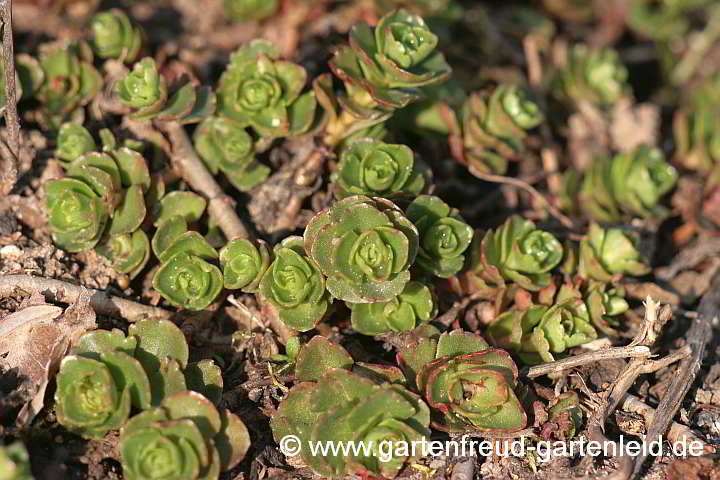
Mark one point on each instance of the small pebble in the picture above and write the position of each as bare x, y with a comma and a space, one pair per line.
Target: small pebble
10, 251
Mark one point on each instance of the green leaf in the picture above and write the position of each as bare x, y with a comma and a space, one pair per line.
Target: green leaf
205, 377
318, 356
188, 205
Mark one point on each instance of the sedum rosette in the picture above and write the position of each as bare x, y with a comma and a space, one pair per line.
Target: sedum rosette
337, 400
226, 147
517, 253
540, 332
607, 254
469, 386
444, 236
364, 246
593, 75
185, 437
259, 90
73, 141
415, 305
113, 35
697, 138
295, 286
147, 93
372, 167
494, 126
99, 190
383, 66
633, 183
29, 77
70, 80
186, 278
244, 263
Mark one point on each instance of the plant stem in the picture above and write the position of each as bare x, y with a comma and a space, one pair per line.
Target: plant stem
220, 206
8, 176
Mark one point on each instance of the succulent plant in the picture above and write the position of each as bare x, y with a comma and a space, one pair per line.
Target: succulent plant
101, 379
697, 138
73, 141
375, 168
225, 146
469, 386
113, 35
364, 246
444, 236
294, 286
185, 437
147, 93
607, 254
540, 332
633, 182
99, 190
28, 78
341, 401
243, 10
415, 305
244, 263
259, 90
494, 125
128, 252
662, 20
185, 278
593, 75
383, 66
69, 80
14, 462
516, 252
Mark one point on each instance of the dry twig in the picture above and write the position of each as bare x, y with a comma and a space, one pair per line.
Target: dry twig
515, 182
220, 206
60, 291
9, 171
698, 337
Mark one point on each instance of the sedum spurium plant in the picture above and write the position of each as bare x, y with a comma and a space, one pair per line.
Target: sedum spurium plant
14, 462
73, 141
69, 81
294, 286
339, 400
375, 168
494, 125
415, 305
227, 147
186, 278
146, 91
539, 333
631, 183
594, 75
108, 374
244, 10
262, 91
514, 253
468, 385
244, 263
113, 35
697, 138
364, 246
606, 255
99, 190
444, 236
382, 69
185, 437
